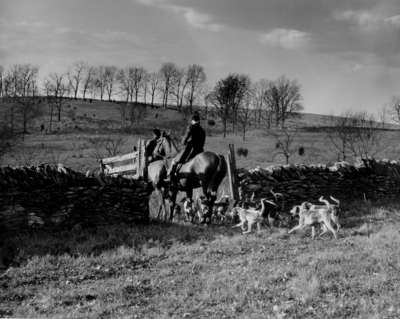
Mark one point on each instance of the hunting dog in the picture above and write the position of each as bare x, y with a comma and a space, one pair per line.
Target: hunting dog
202, 206
313, 217
252, 216
234, 214
220, 208
189, 209
335, 210
273, 212
177, 212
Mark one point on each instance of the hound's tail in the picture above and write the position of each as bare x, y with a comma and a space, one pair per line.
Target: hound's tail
335, 200
328, 205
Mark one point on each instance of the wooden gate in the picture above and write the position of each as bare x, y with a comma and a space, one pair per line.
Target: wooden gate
132, 165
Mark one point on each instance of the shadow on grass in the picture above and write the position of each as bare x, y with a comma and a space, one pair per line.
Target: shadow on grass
17, 250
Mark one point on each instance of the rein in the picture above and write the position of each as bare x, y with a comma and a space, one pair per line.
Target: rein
170, 156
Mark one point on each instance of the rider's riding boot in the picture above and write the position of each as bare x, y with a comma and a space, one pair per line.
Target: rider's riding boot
171, 176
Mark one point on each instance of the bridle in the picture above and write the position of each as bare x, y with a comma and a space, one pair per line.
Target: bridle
160, 145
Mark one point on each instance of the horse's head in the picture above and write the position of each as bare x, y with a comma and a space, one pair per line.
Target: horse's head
165, 146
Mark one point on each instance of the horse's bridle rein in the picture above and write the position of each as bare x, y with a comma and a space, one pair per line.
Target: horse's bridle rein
160, 143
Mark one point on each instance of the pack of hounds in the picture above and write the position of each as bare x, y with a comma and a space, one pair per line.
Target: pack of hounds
271, 211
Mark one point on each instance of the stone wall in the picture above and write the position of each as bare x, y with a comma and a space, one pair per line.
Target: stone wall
367, 178
54, 197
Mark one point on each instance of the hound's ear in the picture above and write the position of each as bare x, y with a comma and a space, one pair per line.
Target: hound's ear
163, 134
183, 199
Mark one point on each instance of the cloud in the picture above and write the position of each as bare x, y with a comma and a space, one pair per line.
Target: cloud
47, 46
192, 16
201, 21
361, 18
357, 67
287, 39
395, 20
25, 24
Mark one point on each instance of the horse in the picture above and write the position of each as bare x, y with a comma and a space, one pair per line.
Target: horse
205, 170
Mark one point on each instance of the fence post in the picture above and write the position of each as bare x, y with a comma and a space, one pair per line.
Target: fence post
139, 164
233, 178
143, 160
102, 166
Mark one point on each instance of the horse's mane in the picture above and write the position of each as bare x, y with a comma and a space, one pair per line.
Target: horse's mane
173, 149
171, 140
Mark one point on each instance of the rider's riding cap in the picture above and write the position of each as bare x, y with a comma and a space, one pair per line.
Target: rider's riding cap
157, 132
196, 118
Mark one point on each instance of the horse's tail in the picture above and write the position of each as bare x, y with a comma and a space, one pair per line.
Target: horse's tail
219, 174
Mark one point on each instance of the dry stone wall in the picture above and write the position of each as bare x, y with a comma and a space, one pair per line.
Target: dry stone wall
54, 197
367, 178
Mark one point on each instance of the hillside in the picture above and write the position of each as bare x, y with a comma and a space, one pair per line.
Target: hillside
87, 129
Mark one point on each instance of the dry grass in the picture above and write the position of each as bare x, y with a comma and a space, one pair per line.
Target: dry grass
181, 270
72, 140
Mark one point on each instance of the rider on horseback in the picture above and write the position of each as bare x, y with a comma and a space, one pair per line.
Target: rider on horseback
151, 145
194, 141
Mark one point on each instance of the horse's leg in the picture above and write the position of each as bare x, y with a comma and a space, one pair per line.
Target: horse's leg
211, 198
172, 205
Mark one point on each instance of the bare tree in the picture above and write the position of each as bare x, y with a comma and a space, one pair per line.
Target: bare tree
262, 112
180, 82
154, 86
107, 146
75, 75
394, 108
367, 137
89, 76
358, 134
284, 99
125, 79
338, 134
60, 94
100, 81
26, 105
196, 78
145, 85
137, 82
111, 80
48, 89
286, 142
245, 113
167, 75
204, 97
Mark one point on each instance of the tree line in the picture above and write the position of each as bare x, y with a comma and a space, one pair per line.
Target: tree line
237, 100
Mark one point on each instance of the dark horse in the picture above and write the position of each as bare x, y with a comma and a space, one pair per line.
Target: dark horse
205, 170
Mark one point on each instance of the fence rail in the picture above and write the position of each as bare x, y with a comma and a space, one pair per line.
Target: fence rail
129, 165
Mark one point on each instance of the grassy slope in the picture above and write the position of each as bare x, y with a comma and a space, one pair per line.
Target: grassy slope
83, 124
186, 271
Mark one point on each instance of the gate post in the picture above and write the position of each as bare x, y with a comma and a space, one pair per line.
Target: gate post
233, 178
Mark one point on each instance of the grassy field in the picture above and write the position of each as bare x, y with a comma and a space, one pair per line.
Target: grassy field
181, 270
80, 138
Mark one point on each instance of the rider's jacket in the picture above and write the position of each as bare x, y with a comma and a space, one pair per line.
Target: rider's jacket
195, 136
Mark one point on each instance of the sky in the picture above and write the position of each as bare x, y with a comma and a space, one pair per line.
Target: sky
344, 53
